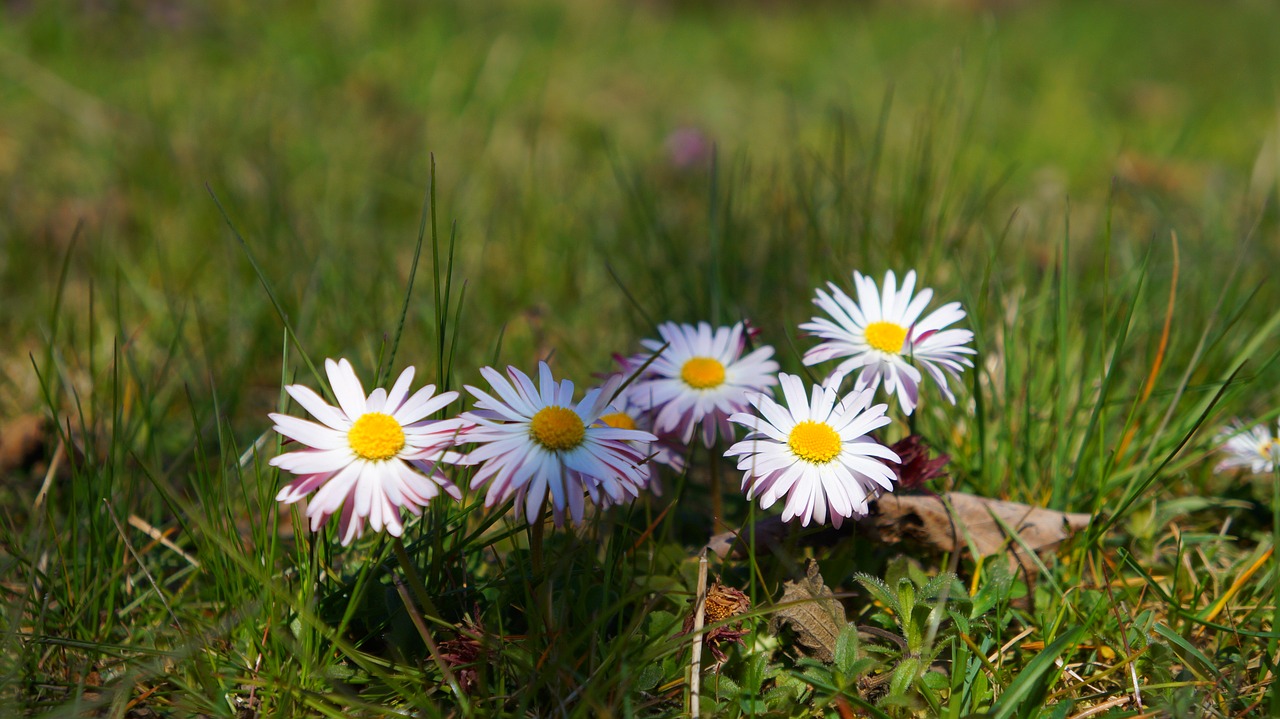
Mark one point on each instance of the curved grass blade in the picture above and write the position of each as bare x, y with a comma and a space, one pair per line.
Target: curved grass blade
1034, 681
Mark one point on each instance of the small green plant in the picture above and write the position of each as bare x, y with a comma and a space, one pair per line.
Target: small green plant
920, 610
844, 678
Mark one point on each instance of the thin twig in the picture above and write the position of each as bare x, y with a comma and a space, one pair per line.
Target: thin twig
1133, 666
1104, 706
147, 573
1009, 644
699, 620
151, 531
48, 475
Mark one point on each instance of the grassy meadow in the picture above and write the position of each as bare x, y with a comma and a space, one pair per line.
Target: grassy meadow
201, 202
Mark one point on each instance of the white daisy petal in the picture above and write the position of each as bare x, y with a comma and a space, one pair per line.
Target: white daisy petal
535, 496
358, 462
423, 404
313, 461
552, 448
818, 455
700, 378
1253, 448
400, 390
524, 386
309, 433
317, 407
346, 387
883, 336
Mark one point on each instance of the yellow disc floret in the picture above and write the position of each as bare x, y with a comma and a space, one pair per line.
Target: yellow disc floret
557, 428
620, 420
376, 436
814, 442
886, 336
702, 373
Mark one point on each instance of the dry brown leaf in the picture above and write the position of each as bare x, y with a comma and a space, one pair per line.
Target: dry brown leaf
810, 610
947, 523
956, 520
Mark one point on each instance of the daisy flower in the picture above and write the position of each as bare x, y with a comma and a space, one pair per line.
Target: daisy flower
815, 452
367, 456
535, 441
701, 378
1254, 448
882, 334
633, 410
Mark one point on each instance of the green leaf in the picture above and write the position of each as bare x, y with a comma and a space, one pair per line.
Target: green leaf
650, 675
996, 586
756, 671
659, 625
724, 686
945, 581
786, 693
904, 675
906, 598
847, 649
935, 681
863, 667
899, 568
878, 590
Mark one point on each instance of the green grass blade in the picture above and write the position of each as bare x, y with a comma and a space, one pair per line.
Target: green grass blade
1022, 696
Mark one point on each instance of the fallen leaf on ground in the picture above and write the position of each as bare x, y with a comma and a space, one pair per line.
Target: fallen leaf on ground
810, 610
956, 520
950, 522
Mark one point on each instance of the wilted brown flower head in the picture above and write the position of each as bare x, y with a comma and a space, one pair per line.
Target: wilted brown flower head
464, 653
723, 602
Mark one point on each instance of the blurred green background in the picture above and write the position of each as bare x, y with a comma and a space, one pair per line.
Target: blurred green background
576, 136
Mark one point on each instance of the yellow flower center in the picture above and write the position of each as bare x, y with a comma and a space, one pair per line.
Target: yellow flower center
557, 428
620, 420
702, 373
887, 336
1266, 449
376, 436
815, 442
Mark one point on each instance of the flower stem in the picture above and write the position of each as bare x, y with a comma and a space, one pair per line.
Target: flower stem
429, 608
718, 524
541, 593
536, 532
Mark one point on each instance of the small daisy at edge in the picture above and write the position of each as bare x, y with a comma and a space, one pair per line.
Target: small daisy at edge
815, 452
1254, 448
882, 334
701, 378
364, 457
535, 441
